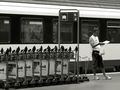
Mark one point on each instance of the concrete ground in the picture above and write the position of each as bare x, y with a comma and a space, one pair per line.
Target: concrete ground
101, 84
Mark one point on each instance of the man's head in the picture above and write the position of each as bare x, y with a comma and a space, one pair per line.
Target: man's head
95, 32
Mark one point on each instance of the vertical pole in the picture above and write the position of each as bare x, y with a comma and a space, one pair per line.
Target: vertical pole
78, 47
17, 65
59, 31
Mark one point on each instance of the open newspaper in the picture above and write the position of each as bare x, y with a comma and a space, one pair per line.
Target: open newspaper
102, 51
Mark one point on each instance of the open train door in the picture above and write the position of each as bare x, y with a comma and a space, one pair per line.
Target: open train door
67, 19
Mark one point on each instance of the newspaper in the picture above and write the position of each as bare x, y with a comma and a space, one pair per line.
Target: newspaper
102, 50
106, 42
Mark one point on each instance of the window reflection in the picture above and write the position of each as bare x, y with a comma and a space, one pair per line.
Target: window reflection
113, 31
66, 32
31, 31
87, 26
4, 30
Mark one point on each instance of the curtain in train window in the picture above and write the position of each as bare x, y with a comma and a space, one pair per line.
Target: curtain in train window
113, 31
55, 31
87, 27
4, 30
31, 31
66, 32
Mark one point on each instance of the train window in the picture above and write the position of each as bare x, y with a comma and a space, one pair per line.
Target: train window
55, 31
66, 32
113, 31
4, 30
87, 26
31, 31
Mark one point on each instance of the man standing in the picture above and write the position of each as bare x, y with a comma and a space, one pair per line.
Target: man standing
96, 55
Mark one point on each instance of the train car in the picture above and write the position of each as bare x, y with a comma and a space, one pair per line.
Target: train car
26, 24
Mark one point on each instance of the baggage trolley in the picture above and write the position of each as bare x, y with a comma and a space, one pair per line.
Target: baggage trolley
68, 54
3, 69
20, 68
45, 68
60, 65
35, 64
9, 68
52, 69
86, 63
28, 68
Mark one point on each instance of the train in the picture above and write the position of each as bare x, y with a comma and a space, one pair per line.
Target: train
27, 24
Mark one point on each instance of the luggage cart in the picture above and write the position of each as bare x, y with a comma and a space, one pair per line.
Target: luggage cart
12, 67
52, 76
75, 78
38, 68
79, 77
8, 68
45, 68
3, 69
60, 65
29, 56
52, 68
68, 55
20, 68
65, 66
86, 61
70, 76
35, 70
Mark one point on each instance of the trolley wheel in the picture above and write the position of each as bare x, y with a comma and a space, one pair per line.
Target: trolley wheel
55, 80
68, 80
62, 80
32, 83
48, 81
85, 78
25, 83
17, 85
6, 85
74, 79
1, 84
40, 82
81, 79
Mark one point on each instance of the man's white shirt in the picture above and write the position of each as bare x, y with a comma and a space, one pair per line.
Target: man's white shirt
93, 40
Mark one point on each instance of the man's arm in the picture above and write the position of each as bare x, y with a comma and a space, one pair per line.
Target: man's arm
100, 43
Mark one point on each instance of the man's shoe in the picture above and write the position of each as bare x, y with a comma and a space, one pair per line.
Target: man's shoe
96, 78
107, 78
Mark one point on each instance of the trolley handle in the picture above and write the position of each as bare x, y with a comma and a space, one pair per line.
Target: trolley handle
65, 65
20, 67
28, 66
2, 69
44, 66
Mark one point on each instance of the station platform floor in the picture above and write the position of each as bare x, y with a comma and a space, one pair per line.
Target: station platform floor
113, 84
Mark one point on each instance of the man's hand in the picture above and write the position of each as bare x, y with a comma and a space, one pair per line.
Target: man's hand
101, 43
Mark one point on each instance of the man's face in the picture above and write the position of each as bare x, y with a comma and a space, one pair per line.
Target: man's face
96, 33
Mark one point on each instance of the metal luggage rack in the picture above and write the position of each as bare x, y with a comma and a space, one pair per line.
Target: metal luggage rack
37, 67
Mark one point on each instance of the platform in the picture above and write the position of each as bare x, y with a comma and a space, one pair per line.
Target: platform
101, 84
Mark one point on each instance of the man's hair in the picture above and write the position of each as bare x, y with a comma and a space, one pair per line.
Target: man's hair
95, 29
